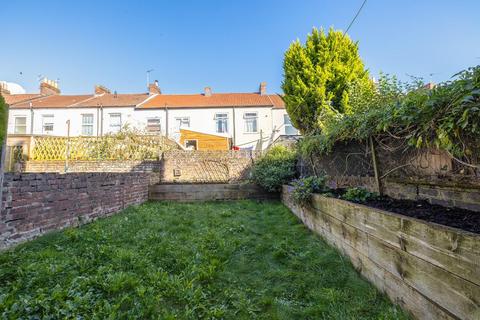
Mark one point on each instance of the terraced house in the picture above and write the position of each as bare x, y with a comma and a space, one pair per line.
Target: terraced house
206, 120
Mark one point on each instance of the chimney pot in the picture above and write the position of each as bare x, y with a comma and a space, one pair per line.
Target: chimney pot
49, 87
153, 88
99, 89
263, 88
208, 92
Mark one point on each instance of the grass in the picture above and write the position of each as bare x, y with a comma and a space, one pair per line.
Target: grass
230, 260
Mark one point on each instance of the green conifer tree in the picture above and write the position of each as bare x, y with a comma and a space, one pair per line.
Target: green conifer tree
318, 77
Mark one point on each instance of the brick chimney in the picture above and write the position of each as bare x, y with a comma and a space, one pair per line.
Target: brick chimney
208, 92
99, 89
263, 88
153, 88
49, 87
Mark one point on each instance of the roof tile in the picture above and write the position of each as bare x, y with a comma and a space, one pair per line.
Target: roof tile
215, 100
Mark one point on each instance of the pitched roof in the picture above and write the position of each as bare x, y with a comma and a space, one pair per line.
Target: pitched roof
17, 98
278, 102
52, 101
145, 101
215, 100
114, 100
80, 101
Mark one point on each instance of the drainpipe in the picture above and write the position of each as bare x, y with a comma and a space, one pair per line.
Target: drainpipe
98, 119
234, 129
166, 120
31, 119
101, 120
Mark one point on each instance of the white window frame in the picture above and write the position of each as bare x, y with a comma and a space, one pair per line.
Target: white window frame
221, 117
250, 116
181, 125
188, 140
16, 126
86, 125
115, 127
159, 125
288, 125
49, 123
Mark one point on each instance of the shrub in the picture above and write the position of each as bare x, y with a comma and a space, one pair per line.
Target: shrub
305, 187
358, 195
275, 168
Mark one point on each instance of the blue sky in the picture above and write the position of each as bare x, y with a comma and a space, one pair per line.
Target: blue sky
228, 45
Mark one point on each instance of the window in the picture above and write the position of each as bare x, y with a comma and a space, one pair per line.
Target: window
20, 125
115, 122
47, 123
87, 124
182, 122
191, 144
153, 125
250, 121
221, 122
289, 128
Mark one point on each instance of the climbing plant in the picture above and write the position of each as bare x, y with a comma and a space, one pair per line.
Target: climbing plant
446, 117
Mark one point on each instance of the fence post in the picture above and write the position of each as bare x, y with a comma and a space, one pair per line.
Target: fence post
2, 159
375, 166
67, 148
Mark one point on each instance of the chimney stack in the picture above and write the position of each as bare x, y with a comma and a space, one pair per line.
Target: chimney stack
49, 87
153, 88
208, 92
4, 88
263, 88
99, 89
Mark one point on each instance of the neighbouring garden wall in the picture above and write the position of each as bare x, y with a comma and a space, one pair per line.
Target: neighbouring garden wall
174, 166
430, 270
207, 166
151, 167
407, 173
454, 191
34, 203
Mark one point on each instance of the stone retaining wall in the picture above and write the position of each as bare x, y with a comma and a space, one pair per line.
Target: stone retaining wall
35, 203
207, 192
430, 270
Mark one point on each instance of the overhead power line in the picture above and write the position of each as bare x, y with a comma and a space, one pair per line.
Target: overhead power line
356, 15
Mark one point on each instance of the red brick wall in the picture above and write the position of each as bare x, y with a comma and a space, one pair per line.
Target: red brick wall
35, 203
151, 167
213, 166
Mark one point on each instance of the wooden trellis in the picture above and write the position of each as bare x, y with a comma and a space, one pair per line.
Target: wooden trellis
109, 147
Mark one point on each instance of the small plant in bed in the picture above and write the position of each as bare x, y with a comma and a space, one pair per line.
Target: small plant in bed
360, 195
304, 188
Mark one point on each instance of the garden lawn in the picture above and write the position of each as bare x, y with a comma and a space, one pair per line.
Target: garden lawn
225, 260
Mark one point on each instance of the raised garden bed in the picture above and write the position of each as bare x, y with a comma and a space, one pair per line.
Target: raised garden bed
432, 270
453, 217
420, 209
